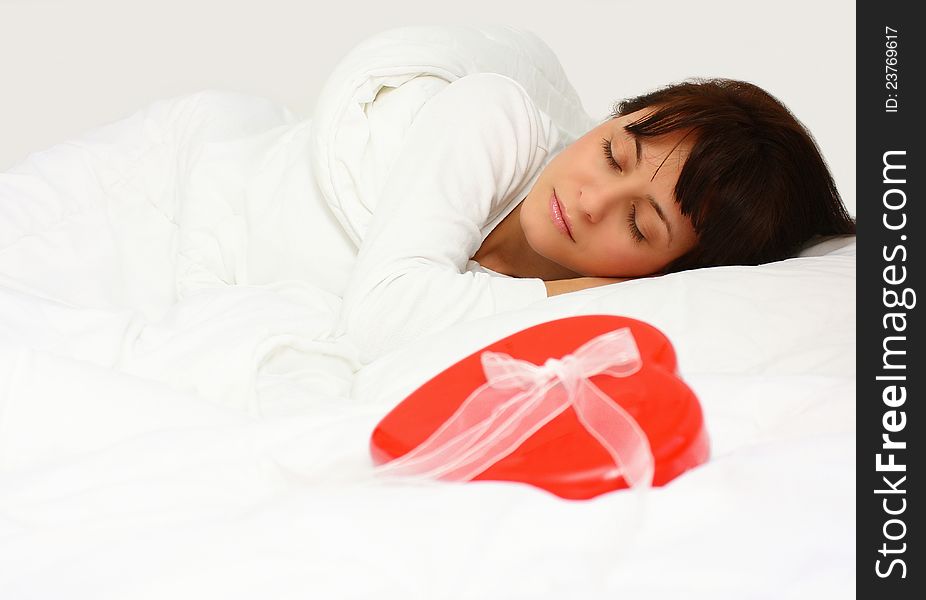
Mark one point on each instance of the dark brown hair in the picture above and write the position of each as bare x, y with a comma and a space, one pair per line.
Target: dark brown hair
755, 185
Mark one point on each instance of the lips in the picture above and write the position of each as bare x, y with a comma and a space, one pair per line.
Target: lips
558, 215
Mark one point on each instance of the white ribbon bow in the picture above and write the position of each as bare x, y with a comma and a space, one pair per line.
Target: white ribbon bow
519, 398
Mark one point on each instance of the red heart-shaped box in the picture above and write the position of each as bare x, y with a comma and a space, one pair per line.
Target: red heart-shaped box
563, 457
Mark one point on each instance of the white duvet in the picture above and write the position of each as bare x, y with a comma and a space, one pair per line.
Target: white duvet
178, 419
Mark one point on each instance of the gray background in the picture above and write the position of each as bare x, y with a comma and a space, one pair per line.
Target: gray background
70, 65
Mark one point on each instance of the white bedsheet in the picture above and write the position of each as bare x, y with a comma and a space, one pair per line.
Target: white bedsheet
177, 419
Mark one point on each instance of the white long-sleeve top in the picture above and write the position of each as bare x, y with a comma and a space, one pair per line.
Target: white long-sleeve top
472, 153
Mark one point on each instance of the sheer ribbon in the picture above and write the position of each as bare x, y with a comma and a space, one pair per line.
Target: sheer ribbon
519, 398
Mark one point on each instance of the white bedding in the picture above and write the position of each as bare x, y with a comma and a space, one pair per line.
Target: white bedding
178, 420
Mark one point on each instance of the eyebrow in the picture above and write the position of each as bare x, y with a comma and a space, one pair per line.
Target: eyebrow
639, 146
661, 214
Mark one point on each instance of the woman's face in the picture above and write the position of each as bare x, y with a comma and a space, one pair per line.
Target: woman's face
611, 215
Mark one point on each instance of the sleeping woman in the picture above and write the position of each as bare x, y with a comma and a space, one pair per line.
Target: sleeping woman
486, 208
484, 205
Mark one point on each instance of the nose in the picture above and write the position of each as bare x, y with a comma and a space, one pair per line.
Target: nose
596, 201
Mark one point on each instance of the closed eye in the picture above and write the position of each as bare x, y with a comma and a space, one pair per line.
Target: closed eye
606, 146
635, 232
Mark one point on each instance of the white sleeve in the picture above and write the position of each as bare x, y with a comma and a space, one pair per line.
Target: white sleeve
471, 150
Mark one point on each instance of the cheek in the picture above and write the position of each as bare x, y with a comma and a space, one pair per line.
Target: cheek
622, 258
571, 162
608, 256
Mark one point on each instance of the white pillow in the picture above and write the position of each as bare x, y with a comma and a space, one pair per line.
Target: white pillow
764, 347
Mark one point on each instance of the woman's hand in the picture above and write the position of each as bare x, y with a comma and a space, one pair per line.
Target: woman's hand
562, 286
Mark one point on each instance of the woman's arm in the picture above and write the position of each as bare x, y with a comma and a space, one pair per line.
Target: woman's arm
563, 286
470, 152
